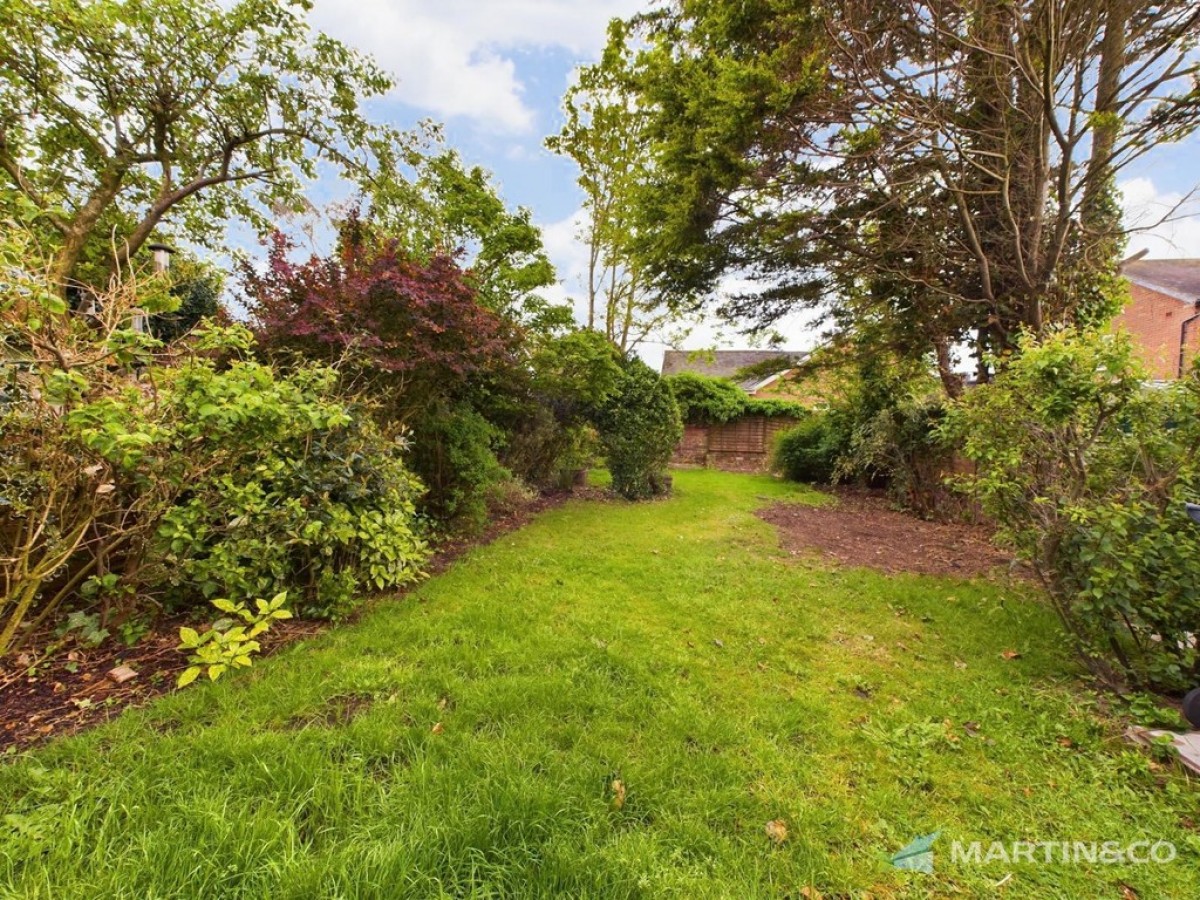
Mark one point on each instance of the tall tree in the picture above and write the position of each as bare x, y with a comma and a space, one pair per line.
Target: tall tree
603, 134
947, 166
121, 116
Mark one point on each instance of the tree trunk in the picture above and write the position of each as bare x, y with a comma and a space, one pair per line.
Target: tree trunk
75, 238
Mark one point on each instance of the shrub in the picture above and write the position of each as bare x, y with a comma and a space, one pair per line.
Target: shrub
902, 445
271, 484
1086, 469
809, 451
409, 331
454, 451
61, 514
126, 481
639, 427
549, 435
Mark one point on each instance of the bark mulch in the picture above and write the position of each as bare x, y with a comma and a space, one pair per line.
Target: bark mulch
47, 694
860, 528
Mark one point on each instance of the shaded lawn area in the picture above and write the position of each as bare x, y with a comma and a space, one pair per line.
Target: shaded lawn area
464, 740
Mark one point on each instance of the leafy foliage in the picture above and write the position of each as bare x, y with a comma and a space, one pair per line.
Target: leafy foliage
456, 454
408, 331
219, 477
809, 451
551, 435
894, 165
603, 134
1087, 470
639, 428
771, 408
450, 208
226, 644
299, 492
197, 288
124, 116
705, 400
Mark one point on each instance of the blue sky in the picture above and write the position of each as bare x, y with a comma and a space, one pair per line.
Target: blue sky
494, 72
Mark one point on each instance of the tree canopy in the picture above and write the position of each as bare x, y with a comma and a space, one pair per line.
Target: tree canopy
120, 117
933, 172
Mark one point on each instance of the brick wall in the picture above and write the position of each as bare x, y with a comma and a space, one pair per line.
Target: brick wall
1155, 321
743, 445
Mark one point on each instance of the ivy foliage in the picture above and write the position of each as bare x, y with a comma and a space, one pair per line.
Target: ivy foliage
705, 400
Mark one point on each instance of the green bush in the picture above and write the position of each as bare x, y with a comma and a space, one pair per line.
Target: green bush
639, 428
127, 484
903, 446
454, 452
1086, 469
267, 483
809, 451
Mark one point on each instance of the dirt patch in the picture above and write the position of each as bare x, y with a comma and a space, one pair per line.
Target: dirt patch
42, 696
861, 529
337, 711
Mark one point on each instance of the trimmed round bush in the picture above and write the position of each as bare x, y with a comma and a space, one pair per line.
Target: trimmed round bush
639, 428
807, 452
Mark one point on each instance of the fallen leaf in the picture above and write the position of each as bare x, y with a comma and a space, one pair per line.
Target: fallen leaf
719, 642
777, 830
443, 703
959, 664
437, 728
1065, 742
971, 728
1011, 654
811, 893
1128, 893
121, 674
618, 789
106, 488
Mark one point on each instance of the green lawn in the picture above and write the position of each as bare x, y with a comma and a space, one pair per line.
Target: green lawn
671, 646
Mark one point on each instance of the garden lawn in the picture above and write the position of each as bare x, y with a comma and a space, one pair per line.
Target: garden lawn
464, 740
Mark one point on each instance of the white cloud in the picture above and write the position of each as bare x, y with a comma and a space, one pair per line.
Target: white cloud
1145, 207
450, 55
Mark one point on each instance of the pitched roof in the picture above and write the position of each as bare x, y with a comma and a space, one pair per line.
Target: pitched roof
1178, 278
722, 363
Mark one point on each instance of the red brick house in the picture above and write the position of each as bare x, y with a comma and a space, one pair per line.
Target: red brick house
1163, 314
